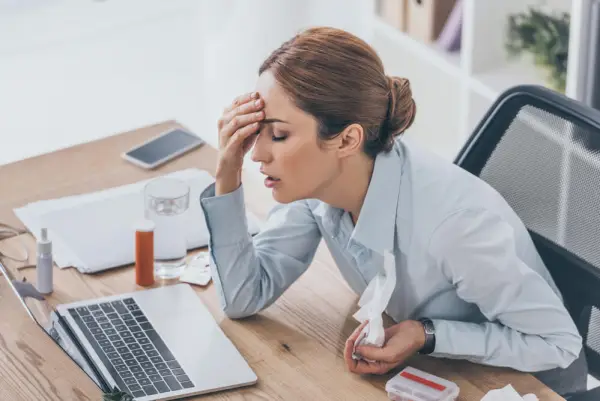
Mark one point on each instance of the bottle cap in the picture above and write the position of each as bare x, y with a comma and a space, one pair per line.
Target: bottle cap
144, 225
44, 245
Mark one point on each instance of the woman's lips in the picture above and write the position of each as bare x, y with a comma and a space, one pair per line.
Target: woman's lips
270, 182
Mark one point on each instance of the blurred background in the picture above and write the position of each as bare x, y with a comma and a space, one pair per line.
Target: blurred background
72, 71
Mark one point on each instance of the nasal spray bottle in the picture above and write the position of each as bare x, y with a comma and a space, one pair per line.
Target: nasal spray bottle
44, 264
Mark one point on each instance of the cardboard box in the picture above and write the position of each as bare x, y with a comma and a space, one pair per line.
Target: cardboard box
393, 12
426, 18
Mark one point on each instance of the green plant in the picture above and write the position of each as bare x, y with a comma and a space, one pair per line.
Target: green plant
117, 395
546, 37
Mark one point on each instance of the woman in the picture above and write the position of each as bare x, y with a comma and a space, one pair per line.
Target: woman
325, 123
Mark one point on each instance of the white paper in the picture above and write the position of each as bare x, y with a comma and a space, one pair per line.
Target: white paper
94, 231
507, 393
373, 302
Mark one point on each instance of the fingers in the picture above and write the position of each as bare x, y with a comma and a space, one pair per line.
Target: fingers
348, 350
374, 360
349, 347
249, 142
243, 133
360, 366
357, 331
245, 98
243, 109
382, 354
241, 121
237, 126
375, 368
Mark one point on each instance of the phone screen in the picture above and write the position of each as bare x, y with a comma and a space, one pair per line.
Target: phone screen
164, 146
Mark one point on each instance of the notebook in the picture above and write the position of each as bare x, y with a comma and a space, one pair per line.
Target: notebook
94, 232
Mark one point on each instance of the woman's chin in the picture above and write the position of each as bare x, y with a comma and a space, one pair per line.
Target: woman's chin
281, 196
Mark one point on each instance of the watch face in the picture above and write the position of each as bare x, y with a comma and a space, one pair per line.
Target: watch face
428, 326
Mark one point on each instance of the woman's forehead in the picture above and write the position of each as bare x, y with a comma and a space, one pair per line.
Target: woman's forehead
270, 91
278, 104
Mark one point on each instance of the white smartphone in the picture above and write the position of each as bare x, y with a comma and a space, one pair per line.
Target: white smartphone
163, 148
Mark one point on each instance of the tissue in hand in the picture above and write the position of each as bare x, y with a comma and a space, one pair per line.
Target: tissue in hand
373, 303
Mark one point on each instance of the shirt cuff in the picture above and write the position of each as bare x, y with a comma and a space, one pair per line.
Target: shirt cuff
457, 340
225, 216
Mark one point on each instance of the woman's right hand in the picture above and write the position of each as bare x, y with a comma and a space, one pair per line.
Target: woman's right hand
237, 129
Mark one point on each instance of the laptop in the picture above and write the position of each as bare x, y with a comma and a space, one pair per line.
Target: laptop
154, 344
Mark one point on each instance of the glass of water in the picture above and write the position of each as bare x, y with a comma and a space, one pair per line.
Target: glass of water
166, 201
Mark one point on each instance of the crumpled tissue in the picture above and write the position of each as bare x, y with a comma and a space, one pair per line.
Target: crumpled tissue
373, 302
507, 393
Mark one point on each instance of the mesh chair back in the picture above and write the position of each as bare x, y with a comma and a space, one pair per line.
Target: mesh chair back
541, 151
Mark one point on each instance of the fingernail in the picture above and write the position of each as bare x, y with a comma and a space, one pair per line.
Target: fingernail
254, 95
257, 103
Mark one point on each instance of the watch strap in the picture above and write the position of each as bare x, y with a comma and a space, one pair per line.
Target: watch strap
429, 328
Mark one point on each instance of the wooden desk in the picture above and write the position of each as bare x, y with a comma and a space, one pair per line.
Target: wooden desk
295, 346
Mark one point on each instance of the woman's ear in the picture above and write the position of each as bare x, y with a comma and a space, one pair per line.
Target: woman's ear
350, 140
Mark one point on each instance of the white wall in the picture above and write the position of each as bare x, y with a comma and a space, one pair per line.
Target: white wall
64, 84
238, 41
72, 71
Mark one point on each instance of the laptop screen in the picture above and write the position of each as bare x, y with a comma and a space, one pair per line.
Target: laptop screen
42, 312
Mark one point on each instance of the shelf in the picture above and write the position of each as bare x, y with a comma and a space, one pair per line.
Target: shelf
492, 83
476, 76
445, 61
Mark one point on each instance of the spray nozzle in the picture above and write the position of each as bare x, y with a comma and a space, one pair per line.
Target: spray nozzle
44, 245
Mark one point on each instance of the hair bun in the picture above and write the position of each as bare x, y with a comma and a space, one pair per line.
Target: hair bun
401, 107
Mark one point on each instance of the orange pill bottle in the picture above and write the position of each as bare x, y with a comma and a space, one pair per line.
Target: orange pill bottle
144, 253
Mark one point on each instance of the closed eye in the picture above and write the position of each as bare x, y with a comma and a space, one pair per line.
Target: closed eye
276, 134
278, 138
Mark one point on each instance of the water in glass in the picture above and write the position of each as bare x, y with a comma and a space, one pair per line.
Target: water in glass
167, 201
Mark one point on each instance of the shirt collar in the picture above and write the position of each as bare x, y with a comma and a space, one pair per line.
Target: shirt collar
376, 223
330, 216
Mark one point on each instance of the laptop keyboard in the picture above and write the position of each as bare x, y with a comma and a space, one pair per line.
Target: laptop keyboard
130, 348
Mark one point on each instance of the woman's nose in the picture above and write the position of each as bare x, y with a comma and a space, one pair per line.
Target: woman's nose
260, 152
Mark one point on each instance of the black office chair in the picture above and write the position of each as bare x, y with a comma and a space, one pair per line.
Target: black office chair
541, 151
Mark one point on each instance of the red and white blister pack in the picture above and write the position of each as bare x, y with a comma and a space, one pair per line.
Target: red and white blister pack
415, 385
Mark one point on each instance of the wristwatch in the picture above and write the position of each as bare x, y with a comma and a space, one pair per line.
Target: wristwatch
429, 346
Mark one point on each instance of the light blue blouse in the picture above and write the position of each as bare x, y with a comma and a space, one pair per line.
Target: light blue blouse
463, 258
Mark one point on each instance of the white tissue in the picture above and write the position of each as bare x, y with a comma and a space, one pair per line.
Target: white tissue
373, 303
507, 393
197, 270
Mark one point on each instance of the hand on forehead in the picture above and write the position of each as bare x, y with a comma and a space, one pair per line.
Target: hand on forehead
278, 105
